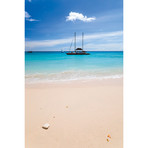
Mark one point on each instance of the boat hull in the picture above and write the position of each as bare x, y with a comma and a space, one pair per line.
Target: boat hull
77, 53
29, 51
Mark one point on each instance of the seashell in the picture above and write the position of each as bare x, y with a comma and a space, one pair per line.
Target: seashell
109, 136
45, 126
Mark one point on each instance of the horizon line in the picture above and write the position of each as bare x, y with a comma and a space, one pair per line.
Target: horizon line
68, 50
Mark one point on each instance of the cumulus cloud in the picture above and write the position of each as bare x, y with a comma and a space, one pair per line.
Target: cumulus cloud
73, 16
28, 17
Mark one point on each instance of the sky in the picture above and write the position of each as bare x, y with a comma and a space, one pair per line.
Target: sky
50, 24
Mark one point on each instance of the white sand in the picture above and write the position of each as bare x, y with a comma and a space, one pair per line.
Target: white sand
81, 115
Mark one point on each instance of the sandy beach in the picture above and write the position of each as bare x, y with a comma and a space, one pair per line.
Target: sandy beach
80, 114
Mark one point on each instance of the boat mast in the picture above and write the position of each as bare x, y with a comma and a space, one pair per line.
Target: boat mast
82, 40
75, 41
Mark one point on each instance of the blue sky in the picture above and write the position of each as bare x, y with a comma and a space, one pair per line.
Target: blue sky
50, 24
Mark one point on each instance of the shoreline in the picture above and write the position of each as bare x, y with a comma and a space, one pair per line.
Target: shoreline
109, 81
80, 114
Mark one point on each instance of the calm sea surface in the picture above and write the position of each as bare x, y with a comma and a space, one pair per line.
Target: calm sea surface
57, 66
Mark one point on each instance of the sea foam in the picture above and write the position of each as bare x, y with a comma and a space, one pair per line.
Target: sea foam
70, 76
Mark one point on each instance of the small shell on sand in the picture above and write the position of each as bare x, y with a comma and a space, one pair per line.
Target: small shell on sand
53, 116
66, 106
109, 136
45, 126
107, 140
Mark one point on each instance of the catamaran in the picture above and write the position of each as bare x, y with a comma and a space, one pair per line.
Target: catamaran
77, 51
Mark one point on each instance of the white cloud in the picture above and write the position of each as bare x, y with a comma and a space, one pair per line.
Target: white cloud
31, 20
29, 0
46, 43
90, 37
28, 17
104, 47
104, 35
73, 16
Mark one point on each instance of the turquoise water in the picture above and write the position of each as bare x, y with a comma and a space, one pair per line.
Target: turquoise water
57, 66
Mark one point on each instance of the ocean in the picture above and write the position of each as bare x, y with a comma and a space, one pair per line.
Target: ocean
47, 67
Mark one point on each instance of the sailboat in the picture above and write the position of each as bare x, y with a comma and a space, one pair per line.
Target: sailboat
78, 51
29, 51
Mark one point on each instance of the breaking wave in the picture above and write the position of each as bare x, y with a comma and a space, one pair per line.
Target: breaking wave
71, 76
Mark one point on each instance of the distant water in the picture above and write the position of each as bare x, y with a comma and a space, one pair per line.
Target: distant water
56, 66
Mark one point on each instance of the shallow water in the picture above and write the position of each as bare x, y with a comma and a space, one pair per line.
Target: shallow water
57, 66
